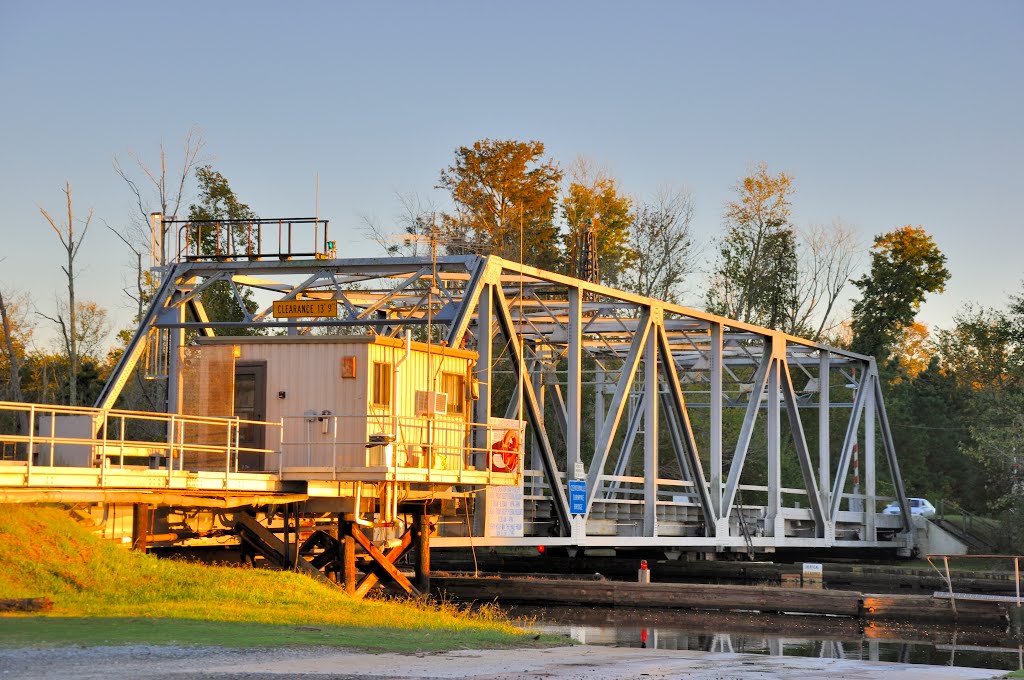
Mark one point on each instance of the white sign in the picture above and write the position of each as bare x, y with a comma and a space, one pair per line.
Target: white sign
580, 471
812, 570
503, 510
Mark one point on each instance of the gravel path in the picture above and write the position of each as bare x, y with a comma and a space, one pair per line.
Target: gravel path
564, 663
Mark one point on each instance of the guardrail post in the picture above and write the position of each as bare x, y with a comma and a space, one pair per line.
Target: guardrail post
170, 449
1016, 574
949, 584
53, 433
31, 443
334, 448
227, 452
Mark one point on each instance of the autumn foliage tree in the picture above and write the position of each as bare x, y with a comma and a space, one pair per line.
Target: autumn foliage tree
755, 279
593, 202
505, 195
906, 266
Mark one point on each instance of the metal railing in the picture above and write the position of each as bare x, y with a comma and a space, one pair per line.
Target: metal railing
946, 574
974, 527
433, 445
84, 437
252, 239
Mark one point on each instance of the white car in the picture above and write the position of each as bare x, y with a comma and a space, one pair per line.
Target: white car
918, 506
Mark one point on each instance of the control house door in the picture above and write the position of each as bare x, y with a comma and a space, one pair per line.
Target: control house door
251, 404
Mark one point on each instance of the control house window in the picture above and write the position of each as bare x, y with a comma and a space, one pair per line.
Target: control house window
455, 385
381, 394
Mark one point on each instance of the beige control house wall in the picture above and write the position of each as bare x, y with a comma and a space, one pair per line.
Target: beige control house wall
336, 394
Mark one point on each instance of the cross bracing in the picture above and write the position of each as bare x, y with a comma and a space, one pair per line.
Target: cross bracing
689, 429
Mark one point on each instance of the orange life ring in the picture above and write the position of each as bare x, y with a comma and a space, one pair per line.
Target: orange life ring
505, 453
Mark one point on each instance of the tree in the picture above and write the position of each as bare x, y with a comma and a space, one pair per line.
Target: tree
906, 266
592, 204
912, 351
217, 201
505, 196
69, 327
827, 255
15, 332
980, 351
755, 278
662, 238
416, 226
158, 190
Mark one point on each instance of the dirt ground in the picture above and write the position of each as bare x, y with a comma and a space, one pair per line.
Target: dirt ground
564, 663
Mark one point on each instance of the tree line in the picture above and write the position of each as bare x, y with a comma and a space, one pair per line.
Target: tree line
955, 396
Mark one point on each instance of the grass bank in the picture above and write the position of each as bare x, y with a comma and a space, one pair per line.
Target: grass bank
105, 594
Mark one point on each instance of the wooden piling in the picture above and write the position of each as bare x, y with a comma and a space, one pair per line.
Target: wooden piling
422, 528
140, 526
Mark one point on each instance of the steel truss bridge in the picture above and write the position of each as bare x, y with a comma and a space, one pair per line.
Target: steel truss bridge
683, 425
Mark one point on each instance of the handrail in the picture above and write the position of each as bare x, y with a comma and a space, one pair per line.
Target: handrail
972, 522
947, 575
419, 442
107, 443
229, 239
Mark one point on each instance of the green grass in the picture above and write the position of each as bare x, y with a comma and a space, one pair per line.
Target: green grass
105, 594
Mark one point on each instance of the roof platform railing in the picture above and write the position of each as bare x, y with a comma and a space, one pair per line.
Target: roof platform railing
255, 239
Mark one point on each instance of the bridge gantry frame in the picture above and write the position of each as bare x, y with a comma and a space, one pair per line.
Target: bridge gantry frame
630, 394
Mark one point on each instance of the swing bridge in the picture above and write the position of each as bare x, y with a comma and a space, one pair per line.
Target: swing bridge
647, 425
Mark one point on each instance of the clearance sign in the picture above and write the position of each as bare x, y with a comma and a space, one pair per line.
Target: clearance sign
294, 309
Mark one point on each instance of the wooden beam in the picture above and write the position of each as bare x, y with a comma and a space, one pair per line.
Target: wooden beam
385, 562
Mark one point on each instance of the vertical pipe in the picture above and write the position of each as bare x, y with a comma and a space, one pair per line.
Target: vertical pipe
334, 447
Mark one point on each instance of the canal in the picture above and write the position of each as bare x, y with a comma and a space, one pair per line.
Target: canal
780, 635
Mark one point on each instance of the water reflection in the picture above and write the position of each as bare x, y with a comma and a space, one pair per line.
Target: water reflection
782, 635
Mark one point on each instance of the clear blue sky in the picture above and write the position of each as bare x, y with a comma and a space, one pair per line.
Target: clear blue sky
886, 113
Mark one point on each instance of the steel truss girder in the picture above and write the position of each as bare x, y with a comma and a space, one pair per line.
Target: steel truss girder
576, 329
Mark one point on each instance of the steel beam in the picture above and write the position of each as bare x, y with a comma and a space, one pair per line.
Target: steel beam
559, 501
611, 421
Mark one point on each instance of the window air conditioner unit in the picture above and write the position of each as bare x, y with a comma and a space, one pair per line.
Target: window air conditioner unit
431, 403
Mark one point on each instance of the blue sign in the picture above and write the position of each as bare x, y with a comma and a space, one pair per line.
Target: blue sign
577, 497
